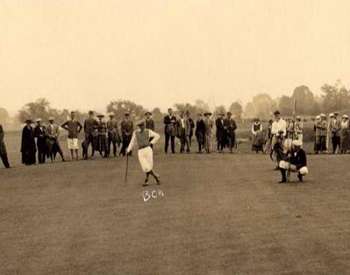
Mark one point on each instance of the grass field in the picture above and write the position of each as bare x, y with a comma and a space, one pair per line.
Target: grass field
220, 214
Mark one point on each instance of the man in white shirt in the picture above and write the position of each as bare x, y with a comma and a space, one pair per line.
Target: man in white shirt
279, 125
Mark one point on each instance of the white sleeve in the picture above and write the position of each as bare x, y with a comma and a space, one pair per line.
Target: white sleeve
155, 137
284, 128
132, 142
274, 128
253, 132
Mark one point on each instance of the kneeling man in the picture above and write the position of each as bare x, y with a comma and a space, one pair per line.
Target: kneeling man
295, 162
144, 138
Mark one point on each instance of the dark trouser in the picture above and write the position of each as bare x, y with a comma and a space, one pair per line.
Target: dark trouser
89, 139
125, 144
184, 142
220, 143
169, 138
231, 141
335, 143
111, 141
5, 160
190, 139
41, 144
102, 145
321, 144
53, 146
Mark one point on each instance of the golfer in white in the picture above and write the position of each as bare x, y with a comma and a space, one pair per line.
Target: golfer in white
144, 138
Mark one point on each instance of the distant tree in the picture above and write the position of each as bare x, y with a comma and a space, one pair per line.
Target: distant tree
37, 109
249, 110
305, 101
157, 114
119, 107
236, 109
202, 106
185, 107
221, 109
263, 105
335, 97
286, 105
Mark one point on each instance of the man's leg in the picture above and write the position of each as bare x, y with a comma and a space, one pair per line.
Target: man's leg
5, 160
59, 150
187, 141
182, 140
76, 154
283, 166
172, 139
167, 139
72, 154
156, 176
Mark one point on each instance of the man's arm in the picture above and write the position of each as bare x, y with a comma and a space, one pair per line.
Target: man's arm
154, 136
132, 142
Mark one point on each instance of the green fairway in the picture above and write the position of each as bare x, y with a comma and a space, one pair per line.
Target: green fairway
220, 214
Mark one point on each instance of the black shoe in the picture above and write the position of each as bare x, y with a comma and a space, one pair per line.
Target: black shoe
300, 177
283, 181
146, 182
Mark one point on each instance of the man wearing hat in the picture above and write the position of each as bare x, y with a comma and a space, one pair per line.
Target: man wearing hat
299, 127
344, 134
220, 133
113, 135
40, 135
335, 132
127, 128
3, 152
73, 128
53, 145
102, 136
208, 123
28, 147
149, 121
329, 132
321, 133
200, 133
90, 125
230, 128
295, 162
184, 130
144, 138
170, 130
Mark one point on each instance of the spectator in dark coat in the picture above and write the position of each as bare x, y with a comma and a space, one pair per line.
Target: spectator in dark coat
40, 135
28, 148
230, 128
3, 152
220, 132
170, 129
90, 125
200, 133
127, 128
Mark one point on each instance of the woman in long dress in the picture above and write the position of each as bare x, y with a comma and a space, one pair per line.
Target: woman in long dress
144, 138
344, 134
28, 148
257, 136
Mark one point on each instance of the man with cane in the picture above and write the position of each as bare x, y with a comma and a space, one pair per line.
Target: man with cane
144, 138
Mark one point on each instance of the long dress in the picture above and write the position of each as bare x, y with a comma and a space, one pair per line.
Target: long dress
345, 136
257, 137
28, 148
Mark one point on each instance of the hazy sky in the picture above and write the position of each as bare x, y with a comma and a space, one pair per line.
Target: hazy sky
82, 54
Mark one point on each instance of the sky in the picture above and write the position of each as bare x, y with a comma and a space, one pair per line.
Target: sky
81, 54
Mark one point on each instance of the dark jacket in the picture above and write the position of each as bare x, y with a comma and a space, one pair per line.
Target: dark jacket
220, 130
170, 127
150, 124
28, 147
230, 125
298, 158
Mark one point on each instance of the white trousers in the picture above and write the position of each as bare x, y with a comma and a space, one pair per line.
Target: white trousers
286, 165
146, 159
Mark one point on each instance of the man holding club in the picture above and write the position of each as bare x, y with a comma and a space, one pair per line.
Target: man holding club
144, 138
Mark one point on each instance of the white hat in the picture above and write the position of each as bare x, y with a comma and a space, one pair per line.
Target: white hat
297, 142
51, 118
323, 115
38, 120
318, 117
331, 115
345, 116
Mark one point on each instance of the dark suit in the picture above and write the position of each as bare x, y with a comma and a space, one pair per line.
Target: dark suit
40, 134
200, 134
220, 134
28, 148
184, 130
3, 152
230, 127
170, 131
90, 125
127, 128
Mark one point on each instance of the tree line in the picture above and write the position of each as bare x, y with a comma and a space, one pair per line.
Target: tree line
335, 97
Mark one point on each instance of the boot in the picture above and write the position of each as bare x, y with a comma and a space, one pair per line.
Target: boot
284, 176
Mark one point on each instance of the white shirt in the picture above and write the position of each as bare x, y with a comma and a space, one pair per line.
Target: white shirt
279, 126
